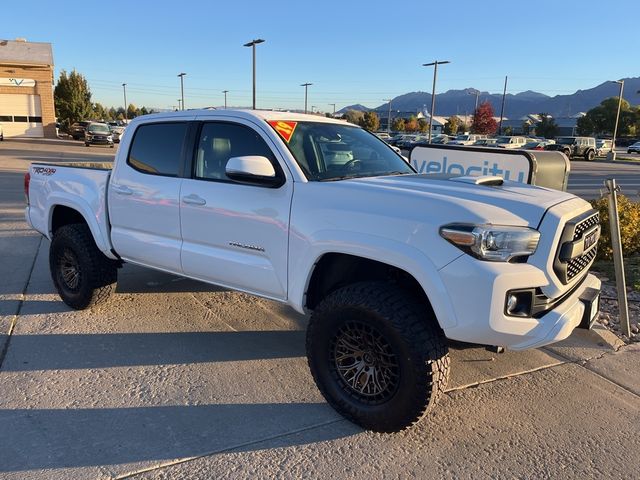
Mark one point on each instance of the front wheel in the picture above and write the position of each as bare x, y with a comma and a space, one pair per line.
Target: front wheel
87, 144
81, 273
377, 355
590, 155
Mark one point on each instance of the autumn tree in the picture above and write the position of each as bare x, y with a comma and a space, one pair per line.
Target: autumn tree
483, 121
547, 126
72, 99
411, 125
423, 125
398, 125
452, 126
353, 116
370, 121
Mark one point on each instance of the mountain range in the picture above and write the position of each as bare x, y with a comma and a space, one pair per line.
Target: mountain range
462, 102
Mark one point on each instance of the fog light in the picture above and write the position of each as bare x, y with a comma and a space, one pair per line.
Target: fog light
518, 303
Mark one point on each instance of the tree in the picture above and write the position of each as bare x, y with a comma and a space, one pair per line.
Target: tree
398, 125
99, 112
423, 125
72, 99
483, 121
411, 125
132, 111
507, 131
452, 126
370, 121
602, 119
546, 127
113, 113
353, 116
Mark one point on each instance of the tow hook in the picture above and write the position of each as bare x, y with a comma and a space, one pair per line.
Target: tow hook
495, 349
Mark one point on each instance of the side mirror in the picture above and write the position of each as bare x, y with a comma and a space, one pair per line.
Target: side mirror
253, 170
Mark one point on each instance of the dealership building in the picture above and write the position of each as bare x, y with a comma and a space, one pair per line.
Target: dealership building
26, 89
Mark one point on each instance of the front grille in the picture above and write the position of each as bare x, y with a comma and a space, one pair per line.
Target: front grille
569, 267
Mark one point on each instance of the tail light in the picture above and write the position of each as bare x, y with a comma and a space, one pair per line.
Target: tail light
27, 180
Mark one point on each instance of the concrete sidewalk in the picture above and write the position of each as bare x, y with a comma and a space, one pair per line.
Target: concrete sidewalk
176, 379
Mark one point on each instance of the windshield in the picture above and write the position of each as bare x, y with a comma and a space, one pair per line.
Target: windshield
464, 138
565, 140
503, 140
98, 128
327, 151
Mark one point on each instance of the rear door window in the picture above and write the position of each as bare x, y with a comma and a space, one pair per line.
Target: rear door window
156, 148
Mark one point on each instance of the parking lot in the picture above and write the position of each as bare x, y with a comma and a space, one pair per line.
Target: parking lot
178, 379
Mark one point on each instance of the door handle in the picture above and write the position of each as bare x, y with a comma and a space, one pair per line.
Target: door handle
194, 200
122, 189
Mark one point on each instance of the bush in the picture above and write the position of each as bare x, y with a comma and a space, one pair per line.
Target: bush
629, 213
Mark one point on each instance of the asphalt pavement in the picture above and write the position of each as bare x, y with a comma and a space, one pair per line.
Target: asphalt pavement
178, 379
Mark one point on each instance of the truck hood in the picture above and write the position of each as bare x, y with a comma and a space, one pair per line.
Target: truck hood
521, 200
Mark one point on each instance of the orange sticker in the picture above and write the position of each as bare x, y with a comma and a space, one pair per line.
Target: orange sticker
285, 129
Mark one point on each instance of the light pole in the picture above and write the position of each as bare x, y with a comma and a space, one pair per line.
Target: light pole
306, 86
313, 107
433, 91
389, 116
477, 94
181, 75
124, 90
612, 154
253, 44
334, 108
504, 94
225, 98
179, 104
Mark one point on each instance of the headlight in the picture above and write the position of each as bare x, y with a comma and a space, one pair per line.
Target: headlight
109, 137
494, 243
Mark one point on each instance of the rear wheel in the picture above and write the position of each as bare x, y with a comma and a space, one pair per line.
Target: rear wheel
81, 273
376, 355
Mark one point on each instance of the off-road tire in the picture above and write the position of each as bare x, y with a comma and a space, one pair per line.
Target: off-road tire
589, 155
86, 144
412, 334
73, 247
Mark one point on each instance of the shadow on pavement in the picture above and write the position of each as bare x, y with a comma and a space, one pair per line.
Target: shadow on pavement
73, 351
63, 438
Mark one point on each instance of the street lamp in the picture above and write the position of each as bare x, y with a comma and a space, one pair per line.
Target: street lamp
313, 107
179, 104
124, 90
334, 108
433, 91
477, 94
612, 155
225, 98
389, 116
181, 75
305, 85
253, 44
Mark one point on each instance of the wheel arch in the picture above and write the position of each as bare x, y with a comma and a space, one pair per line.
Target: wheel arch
333, 270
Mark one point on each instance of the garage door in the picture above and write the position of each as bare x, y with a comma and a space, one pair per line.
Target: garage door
21, 115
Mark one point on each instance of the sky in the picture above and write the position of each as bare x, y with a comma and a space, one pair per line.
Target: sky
351, 51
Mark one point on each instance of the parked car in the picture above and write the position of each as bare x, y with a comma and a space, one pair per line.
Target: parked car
537, 145
76, 131
603, 146
466, 139
575, 147
441, 139
485, 142
506, 141
406, 142
635, 148
390, 265
98, 134
383, 136
116, 131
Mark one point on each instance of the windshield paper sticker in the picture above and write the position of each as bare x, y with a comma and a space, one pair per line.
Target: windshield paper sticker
285, 129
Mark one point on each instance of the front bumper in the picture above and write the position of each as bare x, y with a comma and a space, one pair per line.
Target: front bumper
478, 291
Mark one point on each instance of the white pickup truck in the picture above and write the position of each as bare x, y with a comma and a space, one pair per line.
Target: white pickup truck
325, 217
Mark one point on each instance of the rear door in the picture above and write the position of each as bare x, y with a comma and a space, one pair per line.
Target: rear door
143, 199
235, 235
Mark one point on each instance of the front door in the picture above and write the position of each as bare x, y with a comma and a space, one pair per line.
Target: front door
233, 234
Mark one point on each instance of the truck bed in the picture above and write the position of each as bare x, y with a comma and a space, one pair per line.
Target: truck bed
81, 186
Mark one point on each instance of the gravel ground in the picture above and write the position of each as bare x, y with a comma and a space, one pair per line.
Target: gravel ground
609, 315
